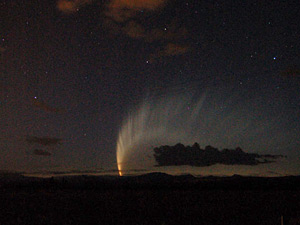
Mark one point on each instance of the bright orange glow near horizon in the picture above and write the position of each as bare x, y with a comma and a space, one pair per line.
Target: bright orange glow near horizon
120, 170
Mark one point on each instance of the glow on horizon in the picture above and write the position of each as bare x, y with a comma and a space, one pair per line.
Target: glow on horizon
120, 170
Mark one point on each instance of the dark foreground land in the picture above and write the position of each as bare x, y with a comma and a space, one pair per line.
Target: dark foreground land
149, 199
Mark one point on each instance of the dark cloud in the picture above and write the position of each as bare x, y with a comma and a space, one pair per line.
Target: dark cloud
46, 141
41, 152
195, 156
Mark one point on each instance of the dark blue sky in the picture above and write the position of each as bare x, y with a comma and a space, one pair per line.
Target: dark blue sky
71, 70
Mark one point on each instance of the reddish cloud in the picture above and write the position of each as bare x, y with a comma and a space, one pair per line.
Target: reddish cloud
172, 33
122, 10
134, 30
137, 4
170, 49
123, 16
2, 49
42, 105
175, 49
71, 6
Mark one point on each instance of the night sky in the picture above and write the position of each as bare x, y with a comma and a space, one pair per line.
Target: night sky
71, 71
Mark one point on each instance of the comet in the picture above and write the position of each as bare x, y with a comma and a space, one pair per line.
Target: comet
160, 119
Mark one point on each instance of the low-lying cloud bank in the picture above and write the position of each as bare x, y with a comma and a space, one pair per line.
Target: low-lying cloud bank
46, 141
41, 152
179, 155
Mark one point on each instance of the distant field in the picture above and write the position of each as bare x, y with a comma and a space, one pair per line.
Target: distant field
181, 200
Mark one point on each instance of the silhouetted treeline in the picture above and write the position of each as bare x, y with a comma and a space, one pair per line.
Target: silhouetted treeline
195, 156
